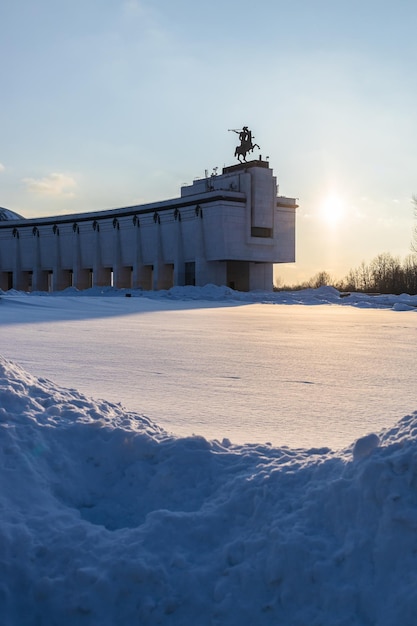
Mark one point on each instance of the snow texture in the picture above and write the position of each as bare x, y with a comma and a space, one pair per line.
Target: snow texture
322, 295
218, 363
106, 519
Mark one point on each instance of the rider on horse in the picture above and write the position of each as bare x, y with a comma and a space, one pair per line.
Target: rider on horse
246, 145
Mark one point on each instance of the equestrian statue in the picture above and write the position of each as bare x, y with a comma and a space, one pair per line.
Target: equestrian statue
246, 143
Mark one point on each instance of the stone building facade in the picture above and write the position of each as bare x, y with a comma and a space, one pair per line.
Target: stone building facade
227, 229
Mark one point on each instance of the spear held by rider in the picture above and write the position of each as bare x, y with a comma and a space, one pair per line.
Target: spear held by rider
246, 143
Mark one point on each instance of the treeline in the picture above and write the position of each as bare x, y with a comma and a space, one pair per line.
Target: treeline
384, 274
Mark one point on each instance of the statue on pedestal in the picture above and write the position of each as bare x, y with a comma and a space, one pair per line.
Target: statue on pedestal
246, 143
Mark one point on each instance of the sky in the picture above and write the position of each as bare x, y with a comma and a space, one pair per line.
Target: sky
111, 103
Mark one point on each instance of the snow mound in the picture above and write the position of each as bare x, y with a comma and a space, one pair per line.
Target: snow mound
215, 293
365, 446
106, 519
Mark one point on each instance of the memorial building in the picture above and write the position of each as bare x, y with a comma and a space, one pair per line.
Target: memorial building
226, 229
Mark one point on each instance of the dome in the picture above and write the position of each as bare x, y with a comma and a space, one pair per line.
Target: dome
6, 214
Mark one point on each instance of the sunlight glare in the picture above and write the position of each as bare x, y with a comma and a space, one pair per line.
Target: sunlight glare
332, 209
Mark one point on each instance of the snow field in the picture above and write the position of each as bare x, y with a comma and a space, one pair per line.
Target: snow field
218, 363
107, 519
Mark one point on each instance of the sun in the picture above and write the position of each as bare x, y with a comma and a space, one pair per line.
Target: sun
332, 209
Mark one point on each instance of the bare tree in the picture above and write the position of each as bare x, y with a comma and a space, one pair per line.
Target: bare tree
349, 282
322, 279
364, 277
386, 273
414, 240
410, 273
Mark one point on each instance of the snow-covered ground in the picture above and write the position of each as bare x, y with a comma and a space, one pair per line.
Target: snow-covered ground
106, 519
218, 363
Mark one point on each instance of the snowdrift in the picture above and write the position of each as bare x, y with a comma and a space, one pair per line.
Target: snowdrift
214, 293
105, 519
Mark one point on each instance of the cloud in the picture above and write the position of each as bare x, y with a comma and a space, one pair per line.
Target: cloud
2, 168
133, 7
58, 185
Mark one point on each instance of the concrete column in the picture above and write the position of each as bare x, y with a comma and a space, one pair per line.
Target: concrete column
39, 276
261, 276
60, 278
80, 275
157, 266
138, 260
201, 266
179, 267
100, 278
121, 274
18, 276
141, 274
162, 272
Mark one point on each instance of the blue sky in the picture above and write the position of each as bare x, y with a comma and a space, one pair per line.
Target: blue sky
107, 103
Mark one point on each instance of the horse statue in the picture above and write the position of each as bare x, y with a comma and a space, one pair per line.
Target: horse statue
246, 144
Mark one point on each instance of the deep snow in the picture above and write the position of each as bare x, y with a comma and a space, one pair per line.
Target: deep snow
106, 519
